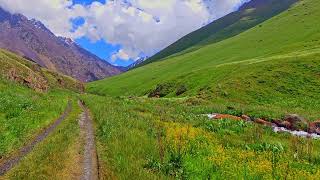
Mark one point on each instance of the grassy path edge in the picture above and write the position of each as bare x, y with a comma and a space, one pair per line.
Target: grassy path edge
9, 163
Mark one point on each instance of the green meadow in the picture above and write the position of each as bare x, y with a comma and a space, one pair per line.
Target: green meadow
140, 138
150, 121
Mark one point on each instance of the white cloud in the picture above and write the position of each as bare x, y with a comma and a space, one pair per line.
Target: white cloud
139, 26
55, 14
121, 54
155, 4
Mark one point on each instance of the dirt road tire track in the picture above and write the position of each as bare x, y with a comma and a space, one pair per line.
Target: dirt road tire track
90, 159
11, 162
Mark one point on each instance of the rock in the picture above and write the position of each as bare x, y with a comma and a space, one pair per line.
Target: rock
32, 40
60, 82
314, 127
316, 123
297, 122
245, 117
277, 122
286, 125
294, 118
263, 122
226, 116
281, 123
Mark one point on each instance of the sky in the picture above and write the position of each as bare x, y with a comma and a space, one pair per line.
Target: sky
123, 31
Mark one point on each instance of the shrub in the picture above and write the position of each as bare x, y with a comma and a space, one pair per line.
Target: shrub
162, 90
181, 89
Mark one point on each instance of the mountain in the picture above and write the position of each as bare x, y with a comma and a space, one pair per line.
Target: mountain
276, 59
137, 63
248, 15
32, 40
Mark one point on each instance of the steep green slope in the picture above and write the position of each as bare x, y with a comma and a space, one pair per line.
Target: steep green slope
30, 74
248, 16
275, 62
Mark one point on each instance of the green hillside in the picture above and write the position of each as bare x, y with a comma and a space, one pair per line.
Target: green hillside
248, 16
31, 99
276, 60
30, 74
266, 72
290, 36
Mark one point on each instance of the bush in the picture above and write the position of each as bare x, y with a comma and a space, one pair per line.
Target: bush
162, 90
181, 89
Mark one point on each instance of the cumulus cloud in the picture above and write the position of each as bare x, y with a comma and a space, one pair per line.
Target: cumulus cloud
55, 14
139, 26
120, 55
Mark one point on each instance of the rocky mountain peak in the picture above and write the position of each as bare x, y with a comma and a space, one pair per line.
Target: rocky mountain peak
33, 40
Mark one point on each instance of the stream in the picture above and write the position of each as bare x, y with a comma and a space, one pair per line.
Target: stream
277, 129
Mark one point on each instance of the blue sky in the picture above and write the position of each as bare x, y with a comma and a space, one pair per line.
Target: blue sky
103, 50
190, 21
121, 31
100, 48
86, 2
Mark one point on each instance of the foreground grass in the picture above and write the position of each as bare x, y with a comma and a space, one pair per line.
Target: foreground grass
162, 139
24, 113
122, 142
57, 157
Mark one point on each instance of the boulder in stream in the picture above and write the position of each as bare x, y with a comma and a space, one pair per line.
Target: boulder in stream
297, 122
314, 127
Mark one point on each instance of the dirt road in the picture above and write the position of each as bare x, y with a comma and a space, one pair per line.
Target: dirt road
90, 162
12, 161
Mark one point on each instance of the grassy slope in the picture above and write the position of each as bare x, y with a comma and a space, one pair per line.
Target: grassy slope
31, 99
24, 109
224, 28
275, 63
27, 73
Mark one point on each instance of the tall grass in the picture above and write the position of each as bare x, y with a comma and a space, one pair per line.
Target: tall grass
24, 113
143, 138
58, 156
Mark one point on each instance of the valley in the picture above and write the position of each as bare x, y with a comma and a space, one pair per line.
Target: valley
224, 104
